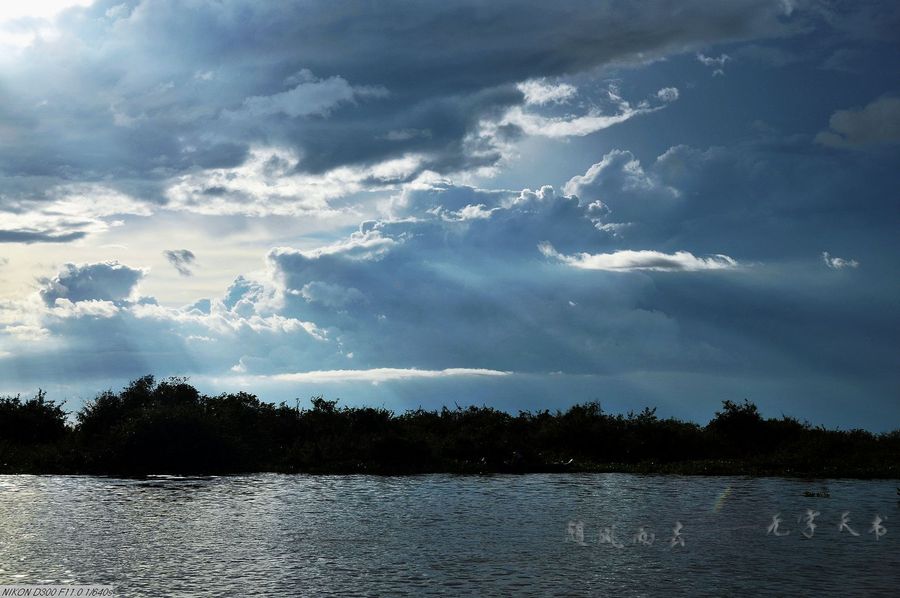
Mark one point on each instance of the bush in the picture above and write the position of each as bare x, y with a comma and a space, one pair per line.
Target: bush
170, 427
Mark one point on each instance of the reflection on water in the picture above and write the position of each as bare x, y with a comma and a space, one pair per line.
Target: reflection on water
578, 534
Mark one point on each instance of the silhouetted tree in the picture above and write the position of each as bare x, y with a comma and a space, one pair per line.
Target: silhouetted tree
168, 426
33, 434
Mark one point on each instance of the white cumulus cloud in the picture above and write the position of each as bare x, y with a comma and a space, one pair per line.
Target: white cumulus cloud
668, 94
540, 92
838, 263
628, 260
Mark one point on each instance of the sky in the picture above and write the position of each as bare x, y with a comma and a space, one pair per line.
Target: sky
522, 204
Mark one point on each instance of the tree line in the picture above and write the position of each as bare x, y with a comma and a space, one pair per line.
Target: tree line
169, 427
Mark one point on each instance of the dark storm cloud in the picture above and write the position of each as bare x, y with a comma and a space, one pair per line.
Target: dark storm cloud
21, 236
465, 266
181, 260
655, 265
152, 89
104, 281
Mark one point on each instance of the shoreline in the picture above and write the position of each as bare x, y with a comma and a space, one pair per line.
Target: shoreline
688, 469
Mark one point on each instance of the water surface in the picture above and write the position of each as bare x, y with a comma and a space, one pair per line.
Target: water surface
449, 535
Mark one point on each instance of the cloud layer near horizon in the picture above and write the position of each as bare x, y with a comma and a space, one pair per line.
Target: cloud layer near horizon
462, 281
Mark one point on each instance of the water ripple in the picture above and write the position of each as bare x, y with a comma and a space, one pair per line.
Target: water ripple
442, 535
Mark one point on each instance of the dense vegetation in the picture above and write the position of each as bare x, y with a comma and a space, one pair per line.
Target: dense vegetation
169, 427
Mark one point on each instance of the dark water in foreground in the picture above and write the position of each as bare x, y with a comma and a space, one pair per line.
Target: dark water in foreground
441, 534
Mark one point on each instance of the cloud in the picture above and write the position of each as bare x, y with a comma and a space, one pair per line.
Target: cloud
304, 121
574, 126
268, 184
716, 63
628, 260
40, 10
103, 281
225, 322
92, 308
435, 196
483, 285
407, 134
860, 22
535, 124
23, 24
310, 97
540, 92
722, 200
366, 244
176, 91
21, 319
330, 295
181, 259
349, 149
838, 263
63, 213
435, 270
87, 321
713, 61
623, 191
464, 265
667, 94
30, 236
876, 123
377, 375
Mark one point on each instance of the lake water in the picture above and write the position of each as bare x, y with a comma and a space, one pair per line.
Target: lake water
303, 535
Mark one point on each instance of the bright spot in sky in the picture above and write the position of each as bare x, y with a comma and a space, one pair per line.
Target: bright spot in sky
39, 9
23, 22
